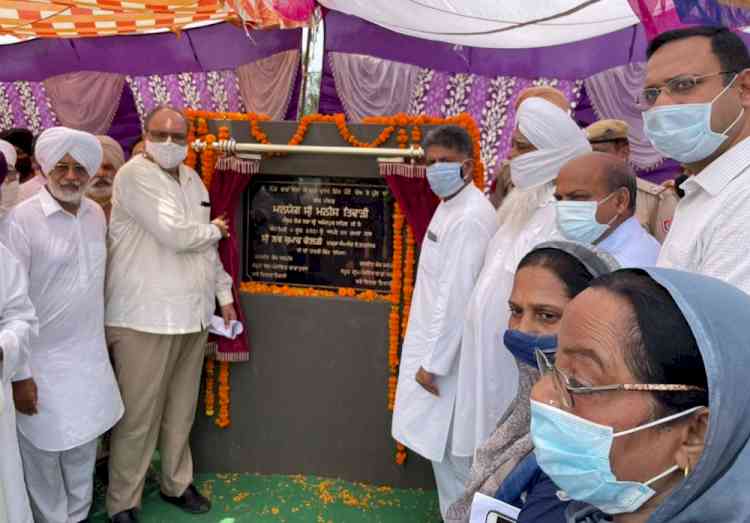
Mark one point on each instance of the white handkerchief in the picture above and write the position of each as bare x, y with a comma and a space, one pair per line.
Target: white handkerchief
217, 327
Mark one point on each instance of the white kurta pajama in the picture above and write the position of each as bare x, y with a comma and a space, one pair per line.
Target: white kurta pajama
78, 398
17, 324
488, 375
450, 259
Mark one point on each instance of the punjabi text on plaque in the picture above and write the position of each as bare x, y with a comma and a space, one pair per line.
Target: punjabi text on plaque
321, 232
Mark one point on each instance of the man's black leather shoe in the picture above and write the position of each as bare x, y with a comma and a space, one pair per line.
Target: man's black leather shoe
191, 501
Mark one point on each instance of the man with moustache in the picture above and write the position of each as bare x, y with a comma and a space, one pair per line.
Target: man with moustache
99, 187
67, 395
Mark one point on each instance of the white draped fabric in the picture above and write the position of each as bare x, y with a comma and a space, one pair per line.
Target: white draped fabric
490, 23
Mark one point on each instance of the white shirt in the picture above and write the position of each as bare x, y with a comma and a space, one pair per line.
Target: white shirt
710, 233
488, 374
30, 187
65, 257
631, 245
164, 270
449, 262
18, 324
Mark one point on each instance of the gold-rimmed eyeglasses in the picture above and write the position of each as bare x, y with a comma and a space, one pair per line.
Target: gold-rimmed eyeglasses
567, 388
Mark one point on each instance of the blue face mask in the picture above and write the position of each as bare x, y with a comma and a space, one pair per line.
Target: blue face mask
683, 132
574, 453
445, 178
577, 221
523, 345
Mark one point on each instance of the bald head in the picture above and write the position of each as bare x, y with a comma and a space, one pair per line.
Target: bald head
552, 95
595, 176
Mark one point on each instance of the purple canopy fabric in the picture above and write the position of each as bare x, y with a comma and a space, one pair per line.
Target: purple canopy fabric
212, 48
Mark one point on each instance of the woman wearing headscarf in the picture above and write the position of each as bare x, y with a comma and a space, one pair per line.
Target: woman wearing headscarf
547, 278
99, 187
644, 415
488, 377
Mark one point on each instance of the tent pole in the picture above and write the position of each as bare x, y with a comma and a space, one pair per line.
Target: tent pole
305, 67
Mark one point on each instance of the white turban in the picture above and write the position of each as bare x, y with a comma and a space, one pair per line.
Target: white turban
9, 152
557, 138
53, 144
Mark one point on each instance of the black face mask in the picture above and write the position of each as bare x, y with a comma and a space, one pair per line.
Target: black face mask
24, 167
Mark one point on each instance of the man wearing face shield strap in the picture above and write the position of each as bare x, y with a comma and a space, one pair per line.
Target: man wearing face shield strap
546, 137
696, 95
164, 278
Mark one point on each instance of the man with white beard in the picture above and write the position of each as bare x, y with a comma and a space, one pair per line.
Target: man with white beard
67, 395
17, 323
546, 137
99, 187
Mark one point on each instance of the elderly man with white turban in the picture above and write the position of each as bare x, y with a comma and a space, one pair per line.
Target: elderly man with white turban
67, 395
99, 188
545, 139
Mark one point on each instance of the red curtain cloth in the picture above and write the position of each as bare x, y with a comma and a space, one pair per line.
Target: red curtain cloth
229, 181
409, 186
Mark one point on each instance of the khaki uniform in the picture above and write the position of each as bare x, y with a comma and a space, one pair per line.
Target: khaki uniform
655, 207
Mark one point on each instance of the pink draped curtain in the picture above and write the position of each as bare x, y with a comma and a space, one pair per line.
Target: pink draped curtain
266, 85
229, 181
613, 95
369, 86
86, 100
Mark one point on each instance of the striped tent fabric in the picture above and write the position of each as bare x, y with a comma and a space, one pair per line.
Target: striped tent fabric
86, 18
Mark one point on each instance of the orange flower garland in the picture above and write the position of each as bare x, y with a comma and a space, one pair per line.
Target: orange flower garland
399, 121
394, 321
252, 287
192, 156
409, 265
208, 160
223, 421
209, 400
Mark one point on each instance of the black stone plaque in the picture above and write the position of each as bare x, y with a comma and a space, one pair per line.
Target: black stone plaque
319, 232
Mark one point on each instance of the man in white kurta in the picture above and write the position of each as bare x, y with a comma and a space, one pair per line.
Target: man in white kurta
67, 396
164, 279
449, 262
17, 324
546, 137
596, 197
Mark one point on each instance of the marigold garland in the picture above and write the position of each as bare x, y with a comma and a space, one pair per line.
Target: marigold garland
409, 266
209, 400
398, 123
222, 420
252, 287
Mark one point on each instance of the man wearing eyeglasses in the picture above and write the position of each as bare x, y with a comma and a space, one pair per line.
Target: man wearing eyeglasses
164, 278
695, 101
67, 395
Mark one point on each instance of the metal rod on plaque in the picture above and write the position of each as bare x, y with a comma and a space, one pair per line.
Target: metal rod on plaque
231, 146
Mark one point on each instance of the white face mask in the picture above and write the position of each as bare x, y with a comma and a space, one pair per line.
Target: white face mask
167, 154
8, 195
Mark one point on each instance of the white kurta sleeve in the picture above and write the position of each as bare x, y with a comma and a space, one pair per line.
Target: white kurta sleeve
464, 251
723, 248
18, 321
223, 284
146, 202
